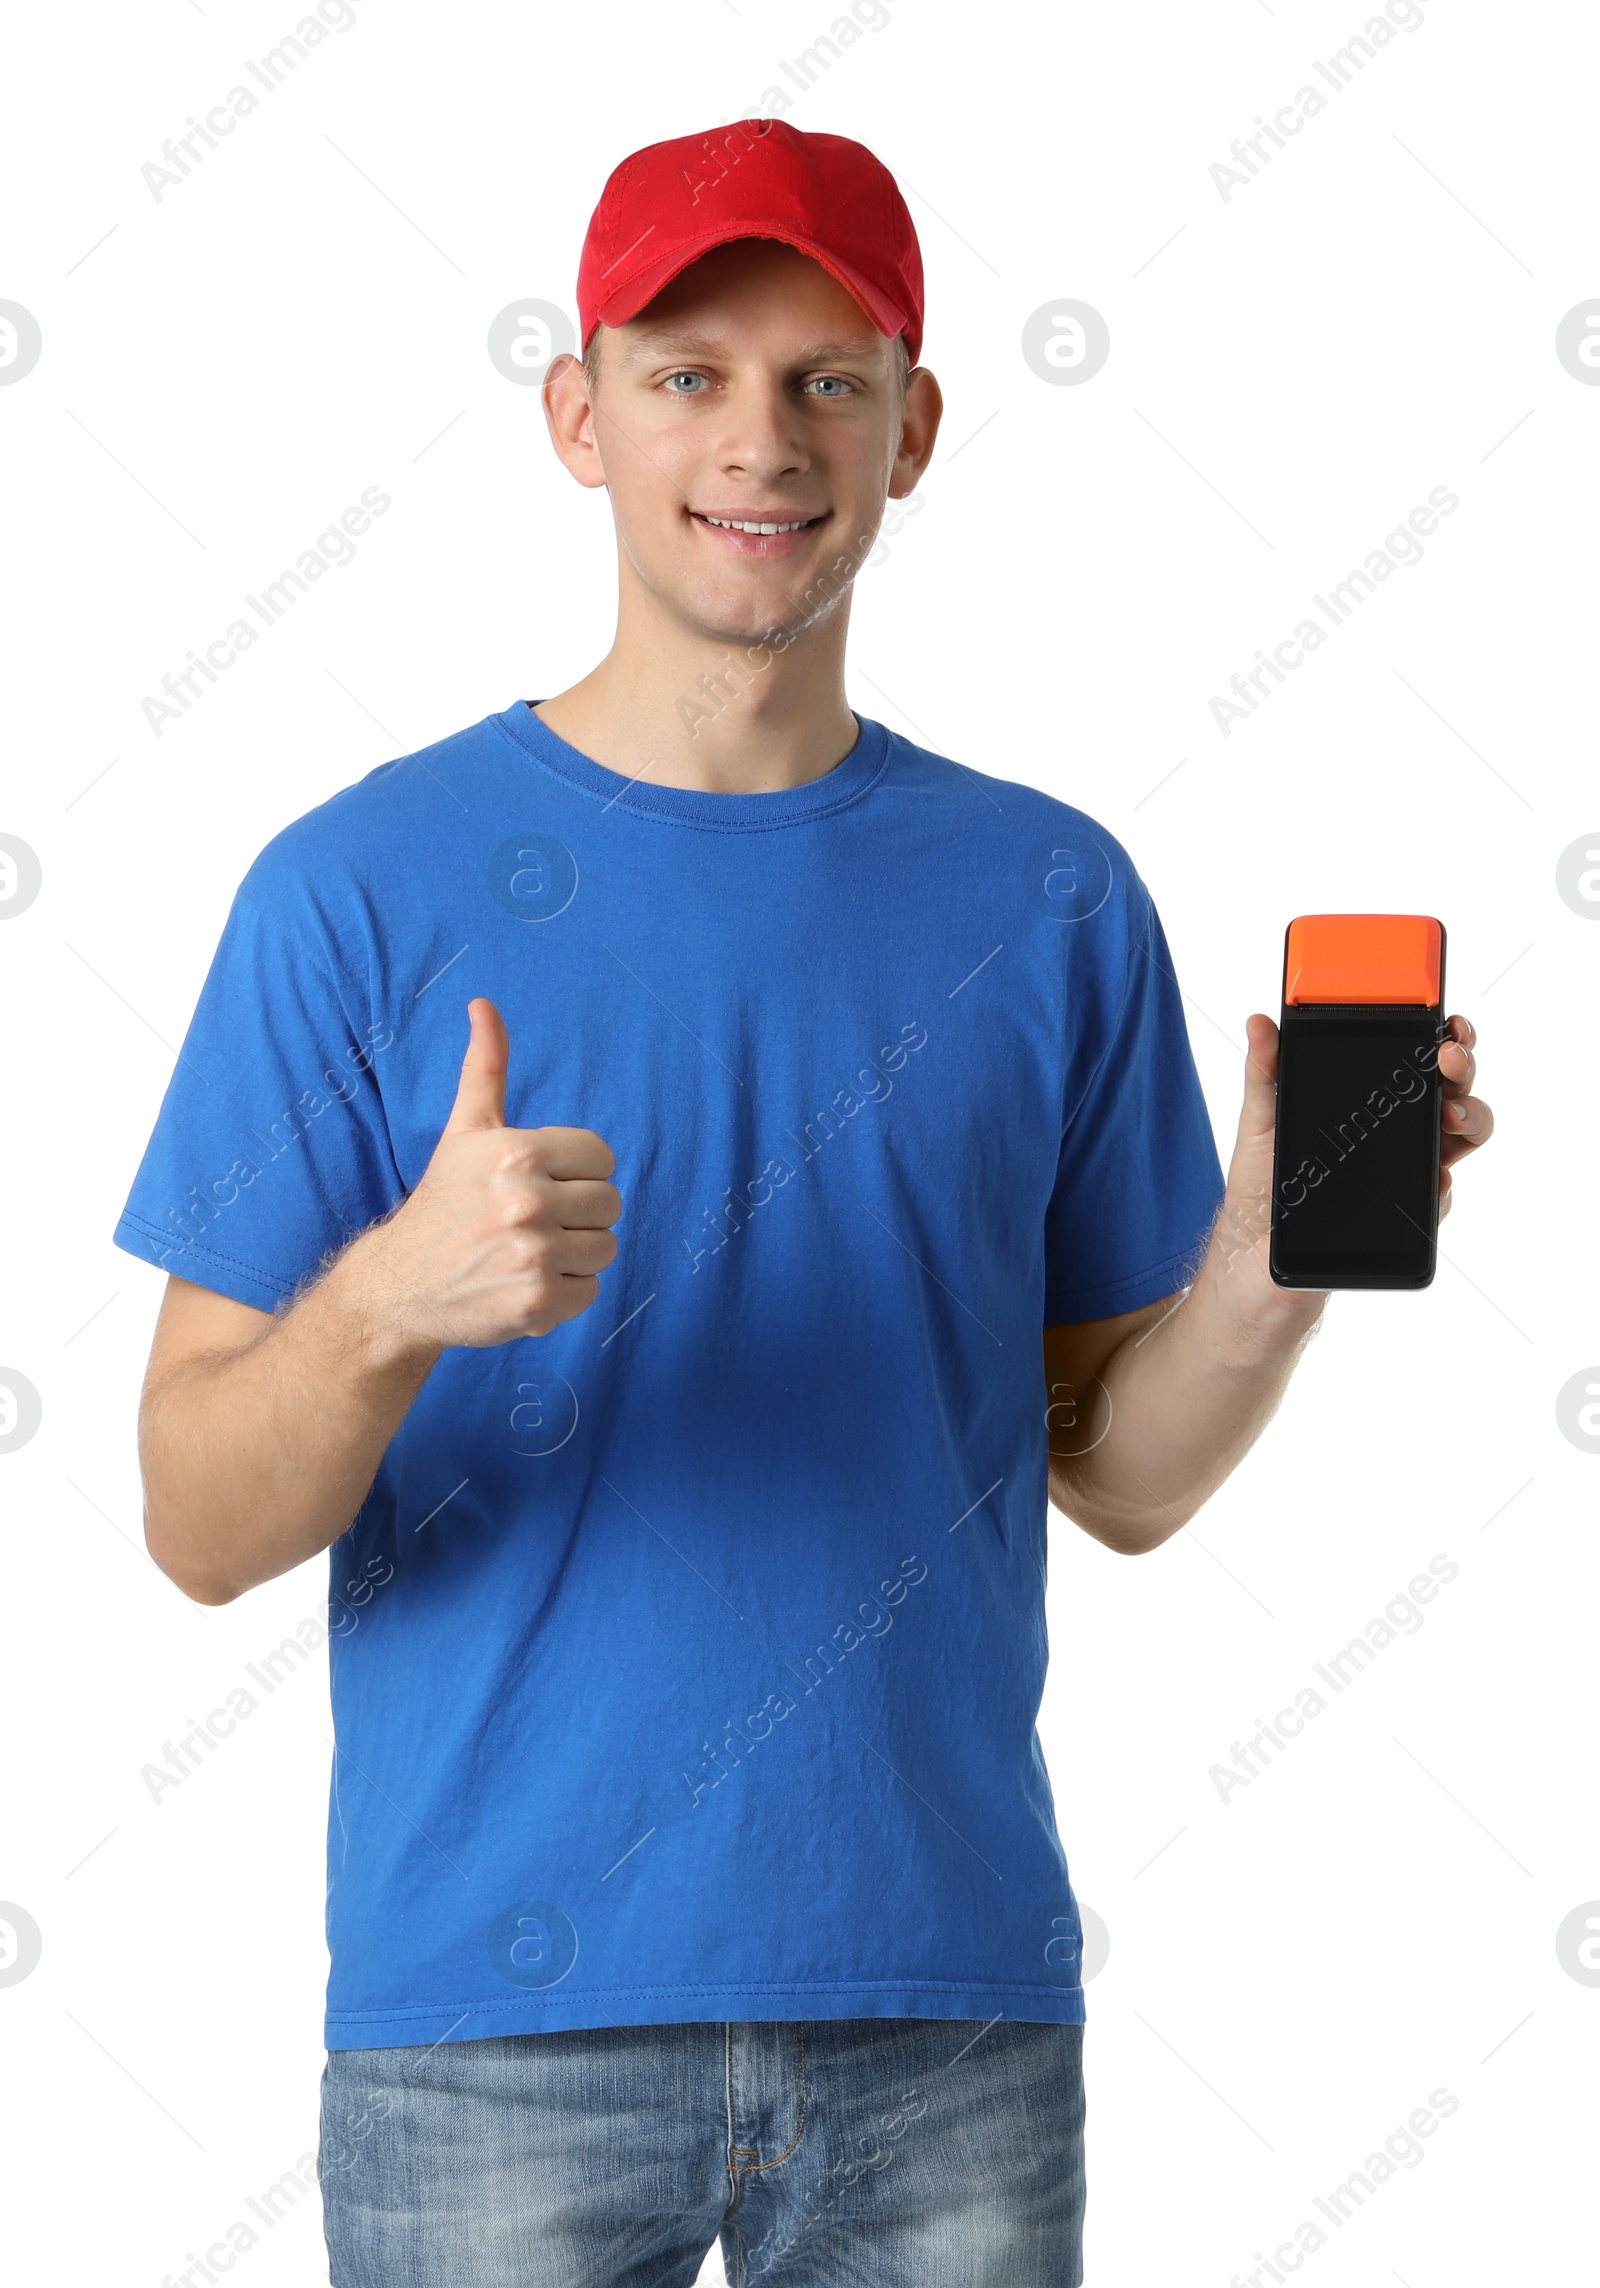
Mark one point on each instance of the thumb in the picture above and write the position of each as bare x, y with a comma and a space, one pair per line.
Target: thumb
1258, 1113
481, 1091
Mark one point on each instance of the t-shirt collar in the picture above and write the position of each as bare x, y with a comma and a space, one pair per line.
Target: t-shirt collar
846, 783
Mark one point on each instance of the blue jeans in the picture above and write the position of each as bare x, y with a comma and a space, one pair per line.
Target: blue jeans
836, 2153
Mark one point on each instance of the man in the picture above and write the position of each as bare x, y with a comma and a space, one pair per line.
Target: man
692, 1862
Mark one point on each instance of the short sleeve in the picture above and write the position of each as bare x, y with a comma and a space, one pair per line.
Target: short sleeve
1139, 1181
271, 1148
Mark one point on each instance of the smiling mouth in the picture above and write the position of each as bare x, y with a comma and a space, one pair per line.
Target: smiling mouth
760, 527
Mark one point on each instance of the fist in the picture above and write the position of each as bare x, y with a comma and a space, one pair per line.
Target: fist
510, 1228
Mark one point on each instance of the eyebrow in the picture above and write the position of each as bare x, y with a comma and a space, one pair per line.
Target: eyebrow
708, 346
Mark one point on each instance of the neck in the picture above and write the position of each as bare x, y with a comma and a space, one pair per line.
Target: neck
680, 707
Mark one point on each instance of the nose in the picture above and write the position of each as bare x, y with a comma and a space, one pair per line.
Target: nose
762, 440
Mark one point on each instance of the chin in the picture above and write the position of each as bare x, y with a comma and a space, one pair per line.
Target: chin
753, 620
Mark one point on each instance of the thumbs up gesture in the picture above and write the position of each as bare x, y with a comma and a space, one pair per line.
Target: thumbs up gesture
509, 1229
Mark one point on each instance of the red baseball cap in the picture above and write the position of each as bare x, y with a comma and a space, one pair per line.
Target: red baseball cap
667, 205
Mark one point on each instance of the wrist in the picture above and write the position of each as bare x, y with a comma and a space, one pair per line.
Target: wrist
386, 1332
1259, 1321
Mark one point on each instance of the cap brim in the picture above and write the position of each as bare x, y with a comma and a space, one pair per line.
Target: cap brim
643, 287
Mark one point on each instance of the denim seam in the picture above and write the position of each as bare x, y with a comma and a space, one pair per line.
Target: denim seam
800, 2126
727, 2094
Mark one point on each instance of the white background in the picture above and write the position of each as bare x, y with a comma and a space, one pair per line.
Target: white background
1292, 370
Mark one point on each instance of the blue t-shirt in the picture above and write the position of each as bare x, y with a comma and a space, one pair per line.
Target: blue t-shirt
686, 1660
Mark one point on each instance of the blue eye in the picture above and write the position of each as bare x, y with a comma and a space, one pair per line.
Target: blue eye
829, 383
695, 378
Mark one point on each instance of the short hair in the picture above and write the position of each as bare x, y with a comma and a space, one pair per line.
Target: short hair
591, 359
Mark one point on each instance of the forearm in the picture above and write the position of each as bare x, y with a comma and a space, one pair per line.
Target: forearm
1181, 1405
255, 1459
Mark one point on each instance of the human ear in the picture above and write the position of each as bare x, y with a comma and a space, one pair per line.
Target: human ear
919, 427
569, 416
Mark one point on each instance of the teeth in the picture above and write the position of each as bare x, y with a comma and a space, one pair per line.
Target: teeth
733, 524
